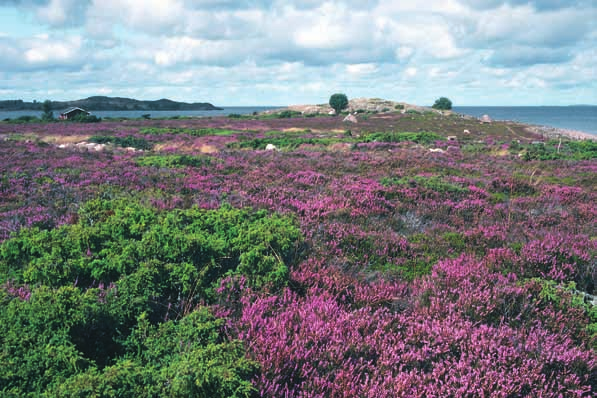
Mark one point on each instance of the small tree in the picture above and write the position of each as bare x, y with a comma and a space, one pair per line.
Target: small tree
443, 104
47, 109
338, 102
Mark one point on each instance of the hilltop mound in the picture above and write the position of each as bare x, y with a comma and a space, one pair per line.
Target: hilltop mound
377, 105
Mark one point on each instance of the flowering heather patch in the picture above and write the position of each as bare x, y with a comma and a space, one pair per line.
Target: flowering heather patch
374, 266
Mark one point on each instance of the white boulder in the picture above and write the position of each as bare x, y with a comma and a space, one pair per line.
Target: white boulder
350, 119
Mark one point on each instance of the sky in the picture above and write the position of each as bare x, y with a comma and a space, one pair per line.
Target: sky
260, 52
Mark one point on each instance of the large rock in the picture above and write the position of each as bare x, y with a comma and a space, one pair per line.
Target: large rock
351, 119
486, 119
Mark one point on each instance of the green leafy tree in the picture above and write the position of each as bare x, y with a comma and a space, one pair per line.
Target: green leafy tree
338, 102
443, 104
47, 111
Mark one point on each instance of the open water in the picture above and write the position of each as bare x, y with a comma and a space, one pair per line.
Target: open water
580, 118
241, 110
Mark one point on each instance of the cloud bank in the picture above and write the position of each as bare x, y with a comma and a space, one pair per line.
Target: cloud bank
279, 52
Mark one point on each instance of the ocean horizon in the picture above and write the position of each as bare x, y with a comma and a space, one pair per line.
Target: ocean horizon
574, 117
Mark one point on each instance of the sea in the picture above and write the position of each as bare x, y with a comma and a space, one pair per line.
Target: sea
580, 118
225, 111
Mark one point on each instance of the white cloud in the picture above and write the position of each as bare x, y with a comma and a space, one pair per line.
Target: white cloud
361, 69
524, 25
181, 50
276, 51
404, 52
42, 51
411, 71
47, 51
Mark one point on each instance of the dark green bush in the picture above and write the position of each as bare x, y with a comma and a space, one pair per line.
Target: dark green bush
173, 161
554, 149
287, 114
115, 240
419, 138
338, 102
114, 301
83, 118
442, 103
283, 142
24, 119
68, 342
192, 132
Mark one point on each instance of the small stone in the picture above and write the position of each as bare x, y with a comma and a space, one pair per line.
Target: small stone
350, 119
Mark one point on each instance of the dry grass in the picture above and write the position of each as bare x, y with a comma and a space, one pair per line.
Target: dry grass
208, 149
293, 130
185, 147
64, 139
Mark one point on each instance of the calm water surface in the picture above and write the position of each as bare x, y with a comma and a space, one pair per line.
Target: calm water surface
581, 118
241, 110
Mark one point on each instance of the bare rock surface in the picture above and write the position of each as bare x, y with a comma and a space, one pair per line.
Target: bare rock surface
376, 105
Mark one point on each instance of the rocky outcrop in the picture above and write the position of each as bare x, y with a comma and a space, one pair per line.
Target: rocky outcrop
485, 119
360, 105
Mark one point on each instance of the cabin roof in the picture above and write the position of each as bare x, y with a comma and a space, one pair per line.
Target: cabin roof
75, 108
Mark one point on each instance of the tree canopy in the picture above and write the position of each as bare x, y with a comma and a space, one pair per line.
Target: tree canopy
47, 109
442, 103
338, 102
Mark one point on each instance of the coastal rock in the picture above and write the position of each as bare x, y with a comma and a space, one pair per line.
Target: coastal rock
350, 119
374, 105
486, 119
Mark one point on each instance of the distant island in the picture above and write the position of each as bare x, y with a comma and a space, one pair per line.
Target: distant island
103, 103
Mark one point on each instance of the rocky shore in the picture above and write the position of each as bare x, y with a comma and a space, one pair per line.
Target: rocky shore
555, 132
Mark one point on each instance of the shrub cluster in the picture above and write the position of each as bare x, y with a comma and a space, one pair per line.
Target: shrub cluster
124, 142
112, 305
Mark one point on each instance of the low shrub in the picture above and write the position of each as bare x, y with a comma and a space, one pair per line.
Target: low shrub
419, 138
113, 303
181, 130
124, 142
173, 161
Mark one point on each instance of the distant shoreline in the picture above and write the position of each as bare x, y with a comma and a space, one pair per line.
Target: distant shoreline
103, 103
